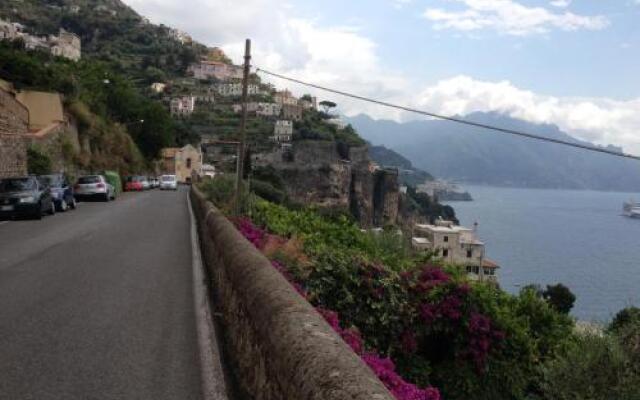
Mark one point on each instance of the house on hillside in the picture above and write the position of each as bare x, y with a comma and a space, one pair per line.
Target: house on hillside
283, 131
66, 44
455, 245
292, 112
261, 109
309, 103
235, 89
182, 106
285, 97
8, 30
337, 122
158, 87
181, 162
206, 69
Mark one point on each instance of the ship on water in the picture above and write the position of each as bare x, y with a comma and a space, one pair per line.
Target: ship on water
631, 209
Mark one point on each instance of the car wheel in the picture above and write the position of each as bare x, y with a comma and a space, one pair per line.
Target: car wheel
106, 197
63, 205
73, 203
39, 213
52, 208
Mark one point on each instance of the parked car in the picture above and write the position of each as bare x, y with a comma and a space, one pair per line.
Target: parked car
25, 197
133, 184
61, 191
94, 186
168, 182
155, 183
145, 183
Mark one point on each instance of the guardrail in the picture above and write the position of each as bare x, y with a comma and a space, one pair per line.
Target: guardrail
279, 347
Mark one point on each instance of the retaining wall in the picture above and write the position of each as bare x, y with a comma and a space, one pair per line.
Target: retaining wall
280, 348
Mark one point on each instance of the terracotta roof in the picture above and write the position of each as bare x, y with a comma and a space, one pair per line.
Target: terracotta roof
486, 263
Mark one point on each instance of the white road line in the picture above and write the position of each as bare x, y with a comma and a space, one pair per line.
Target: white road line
212, 374
4, 222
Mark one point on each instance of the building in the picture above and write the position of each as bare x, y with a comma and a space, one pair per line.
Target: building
206, 69
292, 112
208, 170
158, 87
283, 131
309, 103
337, 122
181, 162
285, 98
260, 109
180, 36
66, 44
8, 30
183, 106
235, 89
455, 245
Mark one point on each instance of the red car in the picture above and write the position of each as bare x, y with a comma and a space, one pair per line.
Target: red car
133, 184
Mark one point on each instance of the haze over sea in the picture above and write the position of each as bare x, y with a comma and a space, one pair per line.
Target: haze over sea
578, 238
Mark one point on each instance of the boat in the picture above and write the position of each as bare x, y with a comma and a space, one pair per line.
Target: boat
631, 209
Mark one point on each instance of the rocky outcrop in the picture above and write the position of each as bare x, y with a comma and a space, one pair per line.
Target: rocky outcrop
332, 175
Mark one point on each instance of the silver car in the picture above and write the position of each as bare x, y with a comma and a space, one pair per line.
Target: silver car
94, 186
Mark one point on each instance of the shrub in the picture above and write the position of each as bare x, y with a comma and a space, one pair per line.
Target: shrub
38, 162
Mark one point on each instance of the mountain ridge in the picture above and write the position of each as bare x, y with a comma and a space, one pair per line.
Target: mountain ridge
478, 156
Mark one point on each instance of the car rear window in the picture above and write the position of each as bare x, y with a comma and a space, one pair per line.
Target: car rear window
17, 184
168, 178
89, 179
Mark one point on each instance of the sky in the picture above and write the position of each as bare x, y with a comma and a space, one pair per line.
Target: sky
573, 63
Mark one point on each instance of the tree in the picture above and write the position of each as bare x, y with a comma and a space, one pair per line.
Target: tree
559, 297
624, 318
38, 162
327, 105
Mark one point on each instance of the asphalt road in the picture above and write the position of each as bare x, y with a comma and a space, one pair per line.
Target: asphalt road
97, 303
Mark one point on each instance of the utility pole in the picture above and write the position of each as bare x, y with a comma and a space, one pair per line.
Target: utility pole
243, 125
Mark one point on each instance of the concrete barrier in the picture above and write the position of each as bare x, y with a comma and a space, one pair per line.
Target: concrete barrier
280, 348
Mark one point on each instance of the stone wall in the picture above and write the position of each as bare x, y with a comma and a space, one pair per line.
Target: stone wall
279, 347
14, 117
13, 156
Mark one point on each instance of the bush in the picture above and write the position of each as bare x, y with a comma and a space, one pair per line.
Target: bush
38, 162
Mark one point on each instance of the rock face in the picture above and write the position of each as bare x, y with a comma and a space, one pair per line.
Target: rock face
13, 156
14, 122
330, 175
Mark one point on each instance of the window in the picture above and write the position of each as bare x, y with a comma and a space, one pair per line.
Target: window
473, 269
445, 253
446, 238
188, 163
469, 253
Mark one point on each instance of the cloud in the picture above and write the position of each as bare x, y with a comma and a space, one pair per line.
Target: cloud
510, 17
600, 120
561, 3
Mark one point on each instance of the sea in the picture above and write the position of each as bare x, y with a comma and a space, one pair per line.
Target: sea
577, 238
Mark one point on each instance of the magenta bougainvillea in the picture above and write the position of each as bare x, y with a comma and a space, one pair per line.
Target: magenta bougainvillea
384, 368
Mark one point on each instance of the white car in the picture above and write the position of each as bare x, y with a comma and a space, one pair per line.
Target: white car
168, 182
93, 186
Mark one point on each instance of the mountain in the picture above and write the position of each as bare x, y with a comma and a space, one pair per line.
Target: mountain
409, 175
473, 155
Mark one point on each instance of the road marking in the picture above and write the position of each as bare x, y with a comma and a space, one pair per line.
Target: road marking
4, 222
212, 374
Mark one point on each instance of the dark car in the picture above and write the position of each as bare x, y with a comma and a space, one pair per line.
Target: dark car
25, 197
61, 191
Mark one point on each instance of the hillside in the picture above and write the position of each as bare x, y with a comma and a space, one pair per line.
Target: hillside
473, 155
409, 175
110, 31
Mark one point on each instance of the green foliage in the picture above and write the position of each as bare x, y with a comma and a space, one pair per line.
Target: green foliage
593, 367
559, 297
426, 206
38, 162
625, 318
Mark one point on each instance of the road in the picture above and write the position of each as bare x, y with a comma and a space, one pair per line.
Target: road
97, 303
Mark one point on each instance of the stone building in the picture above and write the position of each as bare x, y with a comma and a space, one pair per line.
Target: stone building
182, 162
283, 131
235, 89
456, 245
206, 69
292, 112
66, 44
182, 106
285, 98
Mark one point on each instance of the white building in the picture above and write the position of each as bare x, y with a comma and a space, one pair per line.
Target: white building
180, 36
455, 245
66, 44
8, 30
283, 131
235, 89
261, 109
183, 106
158, 87
208, 170
214, 69
337, 122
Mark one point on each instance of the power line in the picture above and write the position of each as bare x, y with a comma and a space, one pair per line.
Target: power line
454, 119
